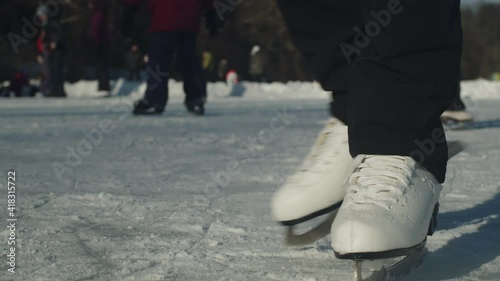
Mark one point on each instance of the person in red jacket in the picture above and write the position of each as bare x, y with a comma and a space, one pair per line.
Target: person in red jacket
174, 28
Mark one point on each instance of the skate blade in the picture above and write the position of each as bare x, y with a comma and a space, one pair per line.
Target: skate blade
321, 230
455, 147
382, 255
319, 213
379, 272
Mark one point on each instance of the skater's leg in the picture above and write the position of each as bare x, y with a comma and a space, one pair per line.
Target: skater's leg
161, 49
189, 63
403, 79
102, 67
318, 28
56, 62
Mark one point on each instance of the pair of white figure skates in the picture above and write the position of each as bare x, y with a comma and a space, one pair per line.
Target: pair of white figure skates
385, 206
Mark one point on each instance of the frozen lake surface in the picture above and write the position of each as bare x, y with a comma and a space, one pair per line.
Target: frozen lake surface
103, 195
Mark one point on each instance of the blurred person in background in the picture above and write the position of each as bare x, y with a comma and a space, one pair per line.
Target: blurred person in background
100, 39
256, 67
42, 59
222, 69
56, 48
134, 59
20, 85
174, 29
235, 87
208, 65
495, 76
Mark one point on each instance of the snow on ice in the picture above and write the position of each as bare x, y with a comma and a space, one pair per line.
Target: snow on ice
176, 197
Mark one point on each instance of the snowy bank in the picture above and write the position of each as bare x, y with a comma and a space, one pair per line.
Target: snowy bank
266, 91
480, 89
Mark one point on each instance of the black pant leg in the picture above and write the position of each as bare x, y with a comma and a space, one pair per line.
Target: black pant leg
195, 85
161, 51
102, 67
318, 27
56, 66
403, 79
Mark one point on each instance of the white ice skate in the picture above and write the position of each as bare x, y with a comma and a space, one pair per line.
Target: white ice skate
316, 188
457, 116
390, 207
456, 120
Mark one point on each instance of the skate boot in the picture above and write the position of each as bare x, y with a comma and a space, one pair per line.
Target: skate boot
196, 109
143, 107
457, 116
456, 119
316, 188
390, 207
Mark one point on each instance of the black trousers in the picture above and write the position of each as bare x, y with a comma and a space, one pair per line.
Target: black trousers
102, 69
134, 74
56, 68
163, 46
391, 65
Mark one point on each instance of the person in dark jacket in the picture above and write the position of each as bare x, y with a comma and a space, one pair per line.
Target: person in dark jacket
100, 39
134, 60
55, 45
20, 85
174, 28
256, 65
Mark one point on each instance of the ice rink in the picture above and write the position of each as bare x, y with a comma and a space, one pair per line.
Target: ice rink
104, 195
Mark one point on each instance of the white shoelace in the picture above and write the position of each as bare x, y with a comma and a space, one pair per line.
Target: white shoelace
380, 180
